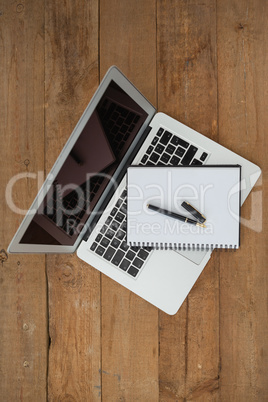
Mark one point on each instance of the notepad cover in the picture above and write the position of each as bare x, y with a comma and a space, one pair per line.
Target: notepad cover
213, 190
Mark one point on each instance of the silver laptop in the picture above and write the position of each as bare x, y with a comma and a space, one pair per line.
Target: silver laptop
82, 204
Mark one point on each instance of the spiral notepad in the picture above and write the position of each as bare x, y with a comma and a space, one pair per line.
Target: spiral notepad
212, 190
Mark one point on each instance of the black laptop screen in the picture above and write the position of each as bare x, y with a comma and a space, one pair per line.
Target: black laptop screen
88, 168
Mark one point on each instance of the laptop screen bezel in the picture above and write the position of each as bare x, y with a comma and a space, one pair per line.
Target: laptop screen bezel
113, 74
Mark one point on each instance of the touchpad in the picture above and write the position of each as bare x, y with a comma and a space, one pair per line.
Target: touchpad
194, 256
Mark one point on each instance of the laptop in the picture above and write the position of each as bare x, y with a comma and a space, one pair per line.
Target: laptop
82, 204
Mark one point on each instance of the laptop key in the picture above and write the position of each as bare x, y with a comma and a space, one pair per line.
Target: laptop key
114, 225
124, 246
108, 220
103, 229
154, 157
118, 257
119, 202
137, 262
143, 254
170, 149
175, 140
130, 255
183, 143
180, 151
150, 163
109, 234
104, 242
93, 246
124, 194
159, 148
203, 156
98, 237
189, 155
160, 131
123, 208
100, 250
120, 234
174, 160
133, 271
109, 253
115, 242
165, 137
124, 264
154, 141
149, 150
144, 159
165, 158
124, 226
113, 211
119, 217
196, 162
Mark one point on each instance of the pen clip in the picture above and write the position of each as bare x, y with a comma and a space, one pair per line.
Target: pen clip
193, 211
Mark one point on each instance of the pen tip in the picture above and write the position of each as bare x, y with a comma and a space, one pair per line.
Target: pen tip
201, 224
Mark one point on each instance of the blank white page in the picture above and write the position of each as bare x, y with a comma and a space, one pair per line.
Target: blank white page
212, 190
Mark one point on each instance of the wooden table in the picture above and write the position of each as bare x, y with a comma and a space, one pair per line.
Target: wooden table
67, 332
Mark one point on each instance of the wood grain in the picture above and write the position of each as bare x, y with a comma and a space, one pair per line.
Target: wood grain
129, 324
73, 334
71, 77
187, 90
23, 330
243, 88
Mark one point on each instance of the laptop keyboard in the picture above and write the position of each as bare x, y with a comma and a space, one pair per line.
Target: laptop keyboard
165, 149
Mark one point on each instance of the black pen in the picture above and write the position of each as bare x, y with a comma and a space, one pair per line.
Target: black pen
193, 211
175, 216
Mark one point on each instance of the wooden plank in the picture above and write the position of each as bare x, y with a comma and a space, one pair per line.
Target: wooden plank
128, 39
190, 341
187, 90
243, 120
23, 294
71, 77
129, 324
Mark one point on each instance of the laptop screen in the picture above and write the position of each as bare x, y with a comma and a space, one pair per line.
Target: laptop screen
88, 168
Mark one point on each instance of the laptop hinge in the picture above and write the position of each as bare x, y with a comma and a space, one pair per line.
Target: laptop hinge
118, 180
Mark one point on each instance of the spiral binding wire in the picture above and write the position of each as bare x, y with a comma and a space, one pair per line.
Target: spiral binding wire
184, 246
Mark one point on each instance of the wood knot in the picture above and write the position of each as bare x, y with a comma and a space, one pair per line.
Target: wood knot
240, 26
25, 327
70, 277
3, 256
19, 8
